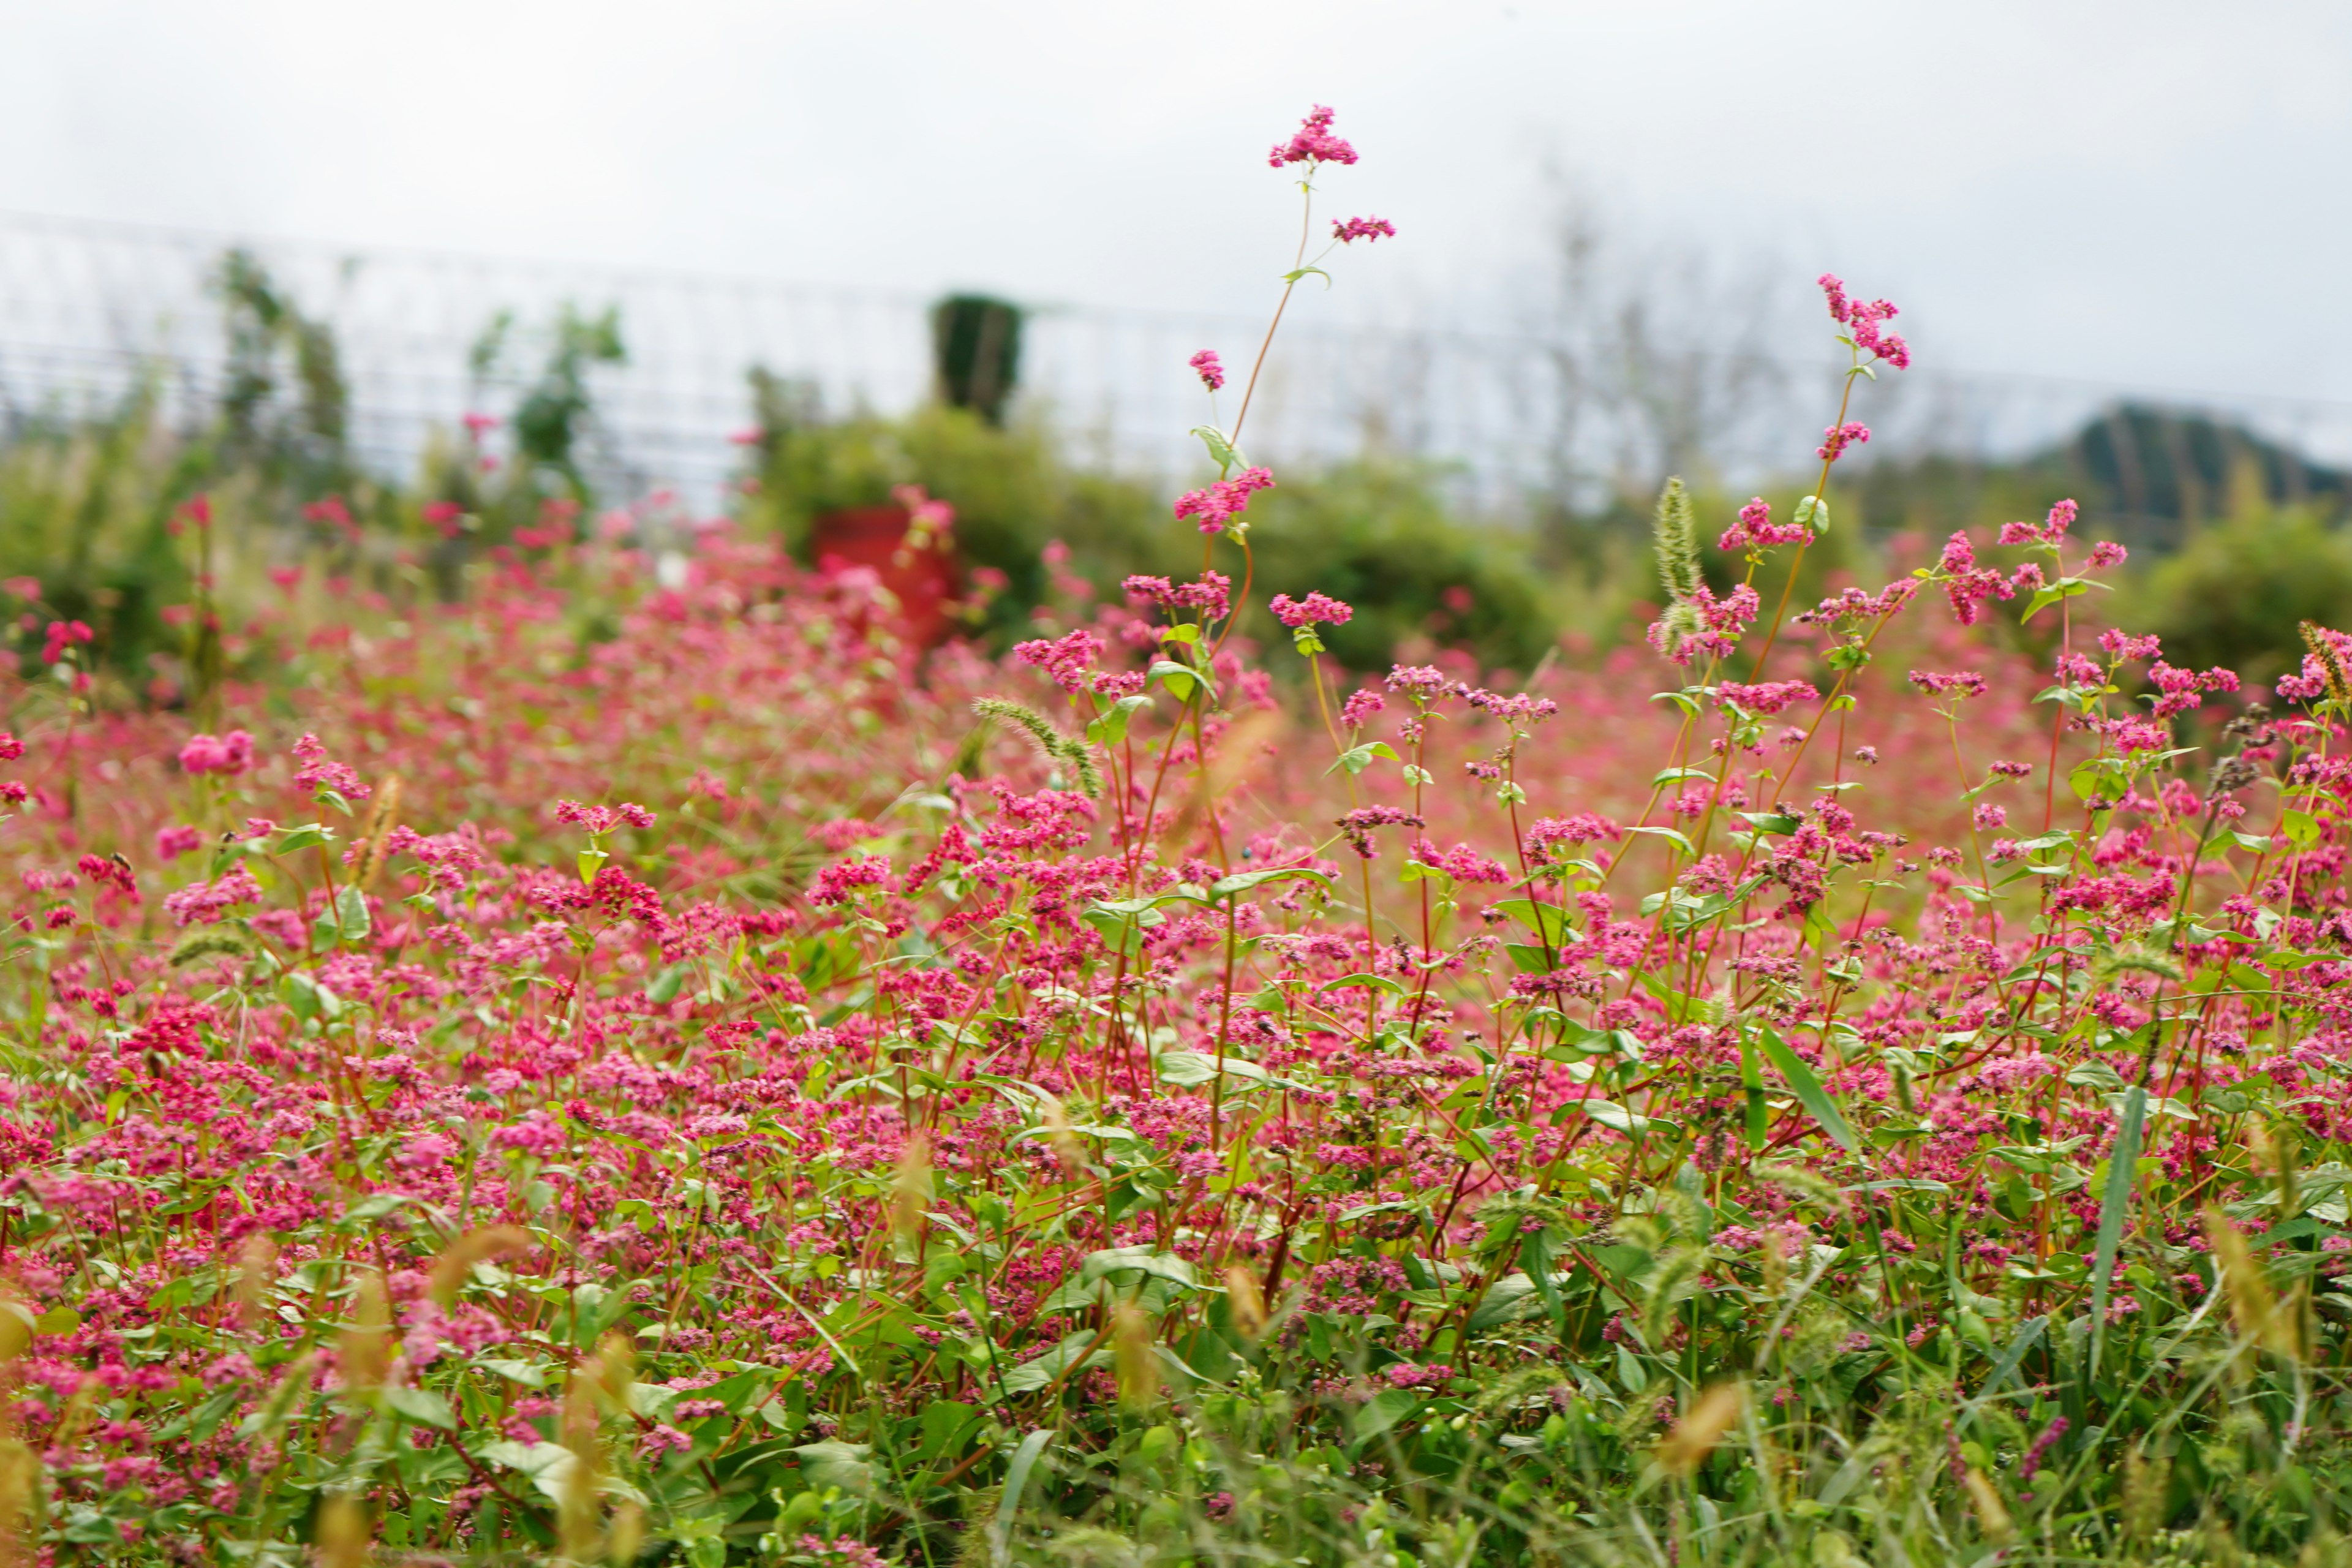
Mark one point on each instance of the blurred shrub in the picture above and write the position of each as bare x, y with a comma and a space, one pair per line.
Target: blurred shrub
2235, 594
1376, 532
85, 509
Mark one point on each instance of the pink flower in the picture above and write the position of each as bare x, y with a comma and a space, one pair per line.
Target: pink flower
1204, 366
1462, 863
1966, 682
2124, 647
1223, 501
1364, 228
1756, 529
62, 635
1065, 658
319, 775
2107, 552
1315, 609
1771, 697
603, 819
1838, 437
1588, 828
835, 883
1312, 143
1862, 318
1361, 707
176, 840
230, 753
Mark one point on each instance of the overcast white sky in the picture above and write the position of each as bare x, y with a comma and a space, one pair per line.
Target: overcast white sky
2150, 192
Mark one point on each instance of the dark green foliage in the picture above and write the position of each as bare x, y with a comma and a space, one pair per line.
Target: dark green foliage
2235, 594
553, 418
976, 353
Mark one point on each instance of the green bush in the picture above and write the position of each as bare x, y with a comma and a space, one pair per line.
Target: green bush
2235, 594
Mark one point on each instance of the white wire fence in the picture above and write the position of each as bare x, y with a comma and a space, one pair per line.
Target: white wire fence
88, 311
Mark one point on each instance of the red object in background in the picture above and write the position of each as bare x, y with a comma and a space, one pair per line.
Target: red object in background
927, 580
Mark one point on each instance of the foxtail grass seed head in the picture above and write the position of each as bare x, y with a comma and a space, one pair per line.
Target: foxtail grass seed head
456, 1263
363, 1351
256, 1271
2254, 1307
1061, 1137
1693, 1437
344, 1532
910, 1190
1137, 1362
1992, 1514
22, 1502
1245, 1301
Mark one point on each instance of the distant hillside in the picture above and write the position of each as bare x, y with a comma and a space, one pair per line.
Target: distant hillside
2149, 476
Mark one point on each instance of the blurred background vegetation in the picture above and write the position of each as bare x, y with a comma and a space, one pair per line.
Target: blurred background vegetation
2234, 538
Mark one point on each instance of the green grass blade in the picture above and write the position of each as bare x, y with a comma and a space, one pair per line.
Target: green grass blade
1810, 1092
2123, 1167
1016, 1481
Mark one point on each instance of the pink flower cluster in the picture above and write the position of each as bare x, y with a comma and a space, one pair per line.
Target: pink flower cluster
63, 634
2049, 531
1862, 317
1223, 501
1312, 143
1206, 366
1962, 682
1770, 697
603, 819
1364, 228
1757, 531
1315, 609
1838, 437
230, 753
1067, 658
1212, 596
2182, 689
320, 774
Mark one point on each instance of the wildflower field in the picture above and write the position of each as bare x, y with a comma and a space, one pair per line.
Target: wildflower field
634, 1061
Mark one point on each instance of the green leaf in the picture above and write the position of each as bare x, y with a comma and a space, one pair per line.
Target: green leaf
1188, 1068
1670, 835
2064, 588
1360, 981
1034, 1375
1382, 1411
1545, 919
304, 838
1180, 678
667, 982
1243, 881
1221, 452
1529, 959
2300, 826
1512, 1296
420, 1405
1810, 1092
1611, 1115
1671, 775
2122, 1165
351, 915
1356, 759
1016, 1481
1110, 729
1813, 513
